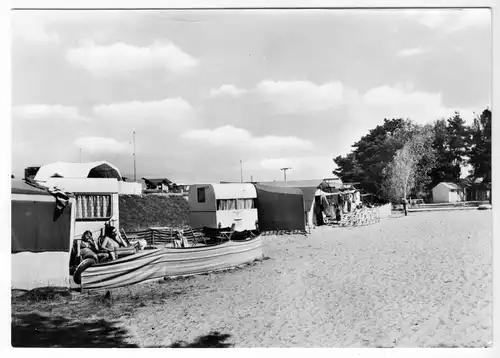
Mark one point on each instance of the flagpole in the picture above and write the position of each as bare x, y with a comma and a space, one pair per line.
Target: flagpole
134, 159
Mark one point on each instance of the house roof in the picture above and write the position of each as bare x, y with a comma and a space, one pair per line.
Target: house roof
452, 185
100, 169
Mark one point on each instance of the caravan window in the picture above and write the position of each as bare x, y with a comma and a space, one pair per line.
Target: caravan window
246, 204
93, 207
236, 204
201, 195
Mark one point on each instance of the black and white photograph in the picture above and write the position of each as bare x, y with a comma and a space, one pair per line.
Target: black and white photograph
251, 178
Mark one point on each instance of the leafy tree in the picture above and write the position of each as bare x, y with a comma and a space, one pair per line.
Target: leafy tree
399, 174
409, 170
370, 155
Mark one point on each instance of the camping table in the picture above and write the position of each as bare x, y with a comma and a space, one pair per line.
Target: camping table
226, 234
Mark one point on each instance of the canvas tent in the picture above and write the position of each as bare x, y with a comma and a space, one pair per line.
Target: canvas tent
100, 169
280, 208
40, 243
314, 191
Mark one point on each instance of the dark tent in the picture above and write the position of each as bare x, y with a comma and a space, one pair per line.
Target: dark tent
33, 227
104, 171
280, 208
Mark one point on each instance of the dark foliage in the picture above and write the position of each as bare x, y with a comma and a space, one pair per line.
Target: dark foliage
480, 155
140, 212
370, 155
454, 144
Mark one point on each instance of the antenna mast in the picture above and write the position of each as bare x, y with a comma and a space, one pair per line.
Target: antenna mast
284, 171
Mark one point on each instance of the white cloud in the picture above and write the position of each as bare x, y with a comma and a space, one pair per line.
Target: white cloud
408, 52
227, 91
45, 112
103, 145
295, 97
238, 137
120, 58
452, 20
168, 111
402, 101
32, 26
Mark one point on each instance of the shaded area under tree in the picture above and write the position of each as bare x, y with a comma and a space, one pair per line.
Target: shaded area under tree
36, 330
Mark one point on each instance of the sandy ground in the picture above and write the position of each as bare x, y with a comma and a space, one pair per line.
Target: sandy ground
419, 281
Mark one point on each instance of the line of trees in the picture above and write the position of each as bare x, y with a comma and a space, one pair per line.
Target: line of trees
401, 158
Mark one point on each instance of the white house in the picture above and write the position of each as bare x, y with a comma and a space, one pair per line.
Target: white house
446, 192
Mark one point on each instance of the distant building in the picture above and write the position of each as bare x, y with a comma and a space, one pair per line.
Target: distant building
446, 192
161, 185
164, 185
476, 189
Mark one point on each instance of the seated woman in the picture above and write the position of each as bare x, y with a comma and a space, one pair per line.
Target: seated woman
88, 249
108, 242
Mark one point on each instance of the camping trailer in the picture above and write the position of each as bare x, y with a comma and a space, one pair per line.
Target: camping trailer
41, 242
222, 205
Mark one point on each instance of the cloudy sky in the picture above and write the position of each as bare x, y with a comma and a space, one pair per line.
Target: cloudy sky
206, 89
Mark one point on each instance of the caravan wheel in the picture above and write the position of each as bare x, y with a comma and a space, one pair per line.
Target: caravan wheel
85, 264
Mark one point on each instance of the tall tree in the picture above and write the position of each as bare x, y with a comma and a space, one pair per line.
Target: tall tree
400, 174
408, 172
458, 144
444, 170
480, 151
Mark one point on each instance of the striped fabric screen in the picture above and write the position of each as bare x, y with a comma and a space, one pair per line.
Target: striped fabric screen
93, 206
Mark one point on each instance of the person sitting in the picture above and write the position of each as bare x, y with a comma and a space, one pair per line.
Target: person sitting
88, 247
108, 243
